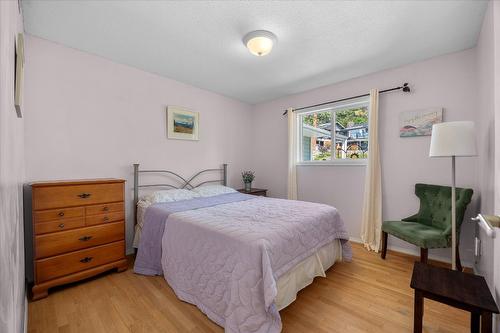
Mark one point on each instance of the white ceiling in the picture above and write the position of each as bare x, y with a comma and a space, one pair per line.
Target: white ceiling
199, 42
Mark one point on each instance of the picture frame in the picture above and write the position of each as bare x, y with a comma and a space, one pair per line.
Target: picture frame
182, 124
419, 122
18, 73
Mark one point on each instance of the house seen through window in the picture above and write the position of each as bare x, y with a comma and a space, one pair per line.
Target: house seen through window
339, 133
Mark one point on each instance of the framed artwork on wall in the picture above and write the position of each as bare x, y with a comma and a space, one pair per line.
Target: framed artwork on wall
18, 73
182, 124
419, 122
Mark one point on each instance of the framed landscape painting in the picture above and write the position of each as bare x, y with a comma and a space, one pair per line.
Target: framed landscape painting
419, 122
182, 124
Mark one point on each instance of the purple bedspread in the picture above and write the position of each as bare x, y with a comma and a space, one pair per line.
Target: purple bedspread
225, 254
148, 259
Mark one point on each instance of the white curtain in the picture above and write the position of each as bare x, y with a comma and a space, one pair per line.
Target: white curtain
292, 155
371, 221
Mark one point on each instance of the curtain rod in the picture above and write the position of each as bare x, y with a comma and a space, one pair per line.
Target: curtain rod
405, 87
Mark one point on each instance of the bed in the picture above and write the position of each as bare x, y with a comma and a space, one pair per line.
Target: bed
239, 258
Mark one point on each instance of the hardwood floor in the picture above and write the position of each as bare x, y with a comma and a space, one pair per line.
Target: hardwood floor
367, 295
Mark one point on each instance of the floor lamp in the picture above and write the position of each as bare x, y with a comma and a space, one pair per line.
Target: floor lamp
453, 139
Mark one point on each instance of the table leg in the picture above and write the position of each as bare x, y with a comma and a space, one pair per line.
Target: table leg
474, 322
486, 322
418, 312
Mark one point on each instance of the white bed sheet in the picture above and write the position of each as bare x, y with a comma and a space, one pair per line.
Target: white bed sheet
141, 209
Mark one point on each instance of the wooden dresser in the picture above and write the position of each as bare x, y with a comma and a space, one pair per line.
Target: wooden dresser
73, 230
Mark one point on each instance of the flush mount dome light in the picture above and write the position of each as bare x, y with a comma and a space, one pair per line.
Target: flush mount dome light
259, 42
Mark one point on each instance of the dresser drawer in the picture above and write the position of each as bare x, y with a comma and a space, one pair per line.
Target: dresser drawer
104, 218
58, 214
50, 268
71, 240
76, 195
61, 225
104, 209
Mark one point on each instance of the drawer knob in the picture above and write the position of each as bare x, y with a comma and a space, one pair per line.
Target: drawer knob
61, 214
105, 218
86, 259
85, 238
105, 209
61, 225
84, 195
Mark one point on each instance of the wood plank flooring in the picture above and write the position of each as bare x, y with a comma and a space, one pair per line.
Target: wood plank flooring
367, 295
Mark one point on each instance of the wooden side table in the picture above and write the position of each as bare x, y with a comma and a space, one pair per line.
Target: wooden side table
461, 290
255, 191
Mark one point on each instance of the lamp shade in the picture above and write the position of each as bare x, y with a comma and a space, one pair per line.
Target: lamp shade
454, 138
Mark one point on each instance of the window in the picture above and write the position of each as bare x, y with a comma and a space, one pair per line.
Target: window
344, 141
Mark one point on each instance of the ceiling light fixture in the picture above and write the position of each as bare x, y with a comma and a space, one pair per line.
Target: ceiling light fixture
259, 42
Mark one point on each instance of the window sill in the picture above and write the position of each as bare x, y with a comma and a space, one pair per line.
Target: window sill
333, 163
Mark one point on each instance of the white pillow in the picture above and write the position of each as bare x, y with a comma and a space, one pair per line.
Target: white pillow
170, 195
211, 190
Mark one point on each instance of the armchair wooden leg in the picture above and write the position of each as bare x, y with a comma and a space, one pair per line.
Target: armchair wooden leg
457, 261
384, 245
424, 253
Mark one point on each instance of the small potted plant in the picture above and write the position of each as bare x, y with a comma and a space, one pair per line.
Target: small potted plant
248, 177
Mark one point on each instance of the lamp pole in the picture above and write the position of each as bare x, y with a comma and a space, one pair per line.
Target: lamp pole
452, 139
453, 218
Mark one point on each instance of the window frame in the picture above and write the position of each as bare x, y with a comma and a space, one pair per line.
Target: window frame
332, 108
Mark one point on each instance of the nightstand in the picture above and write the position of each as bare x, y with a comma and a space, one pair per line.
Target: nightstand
255, 191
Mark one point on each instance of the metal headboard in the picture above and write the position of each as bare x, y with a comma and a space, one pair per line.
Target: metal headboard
185, 183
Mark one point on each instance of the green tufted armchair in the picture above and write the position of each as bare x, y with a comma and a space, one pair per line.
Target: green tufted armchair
430, 228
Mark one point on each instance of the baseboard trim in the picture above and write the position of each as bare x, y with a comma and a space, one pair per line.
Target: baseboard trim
414, 253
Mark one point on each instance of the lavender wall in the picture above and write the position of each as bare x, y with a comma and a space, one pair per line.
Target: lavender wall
89, 117
448, 81
488, 67
486, 112
486, 141
495, 7
12, 291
